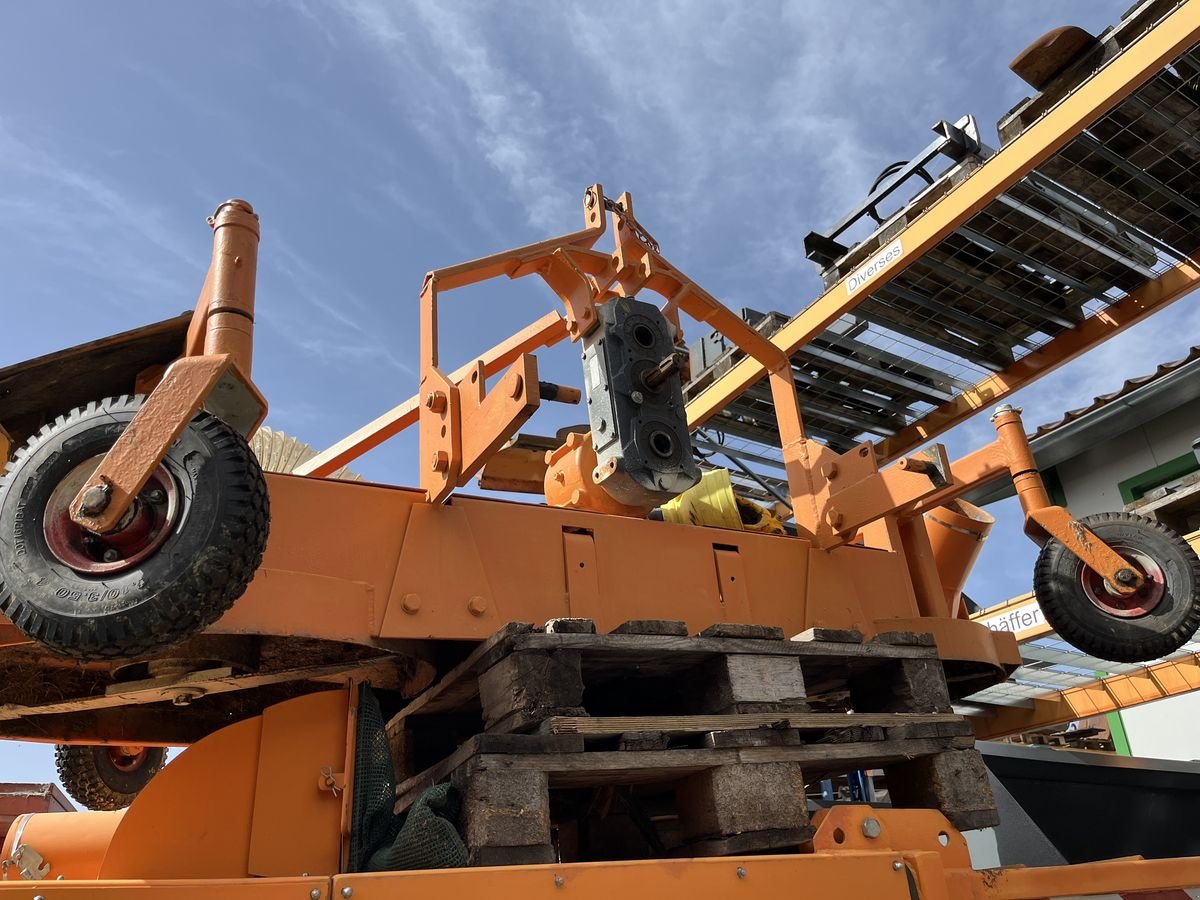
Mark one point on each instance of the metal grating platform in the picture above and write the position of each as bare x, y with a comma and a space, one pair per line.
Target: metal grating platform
1111, 211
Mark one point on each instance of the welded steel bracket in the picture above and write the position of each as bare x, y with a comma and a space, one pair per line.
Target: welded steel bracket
214, 374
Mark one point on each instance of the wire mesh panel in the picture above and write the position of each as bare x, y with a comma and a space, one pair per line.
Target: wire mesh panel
1115, 208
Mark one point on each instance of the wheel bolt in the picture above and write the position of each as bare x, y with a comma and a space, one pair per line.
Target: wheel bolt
1126, 576
157, 496
111, 555
95, 499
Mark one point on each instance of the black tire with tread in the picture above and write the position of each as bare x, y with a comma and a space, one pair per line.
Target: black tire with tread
1162, 630
89, 777
207, 561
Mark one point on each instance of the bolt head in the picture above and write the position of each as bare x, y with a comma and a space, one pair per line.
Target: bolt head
871, 828
439, 461
435, 401
897, 865
477, 606
741, 871
347, 892
559, 881
410, 603
314, 894
156, 496
1126, 576
111, 555
95, 499
637, 397
518, 386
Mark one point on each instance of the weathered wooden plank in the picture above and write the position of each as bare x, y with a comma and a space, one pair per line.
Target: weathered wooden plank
955, 781
529, 685
458, 685
741, 683
213, 681
570, 626
665, 627
598, 726
830, 636
644, 646
742, 797
746, 632
504, 809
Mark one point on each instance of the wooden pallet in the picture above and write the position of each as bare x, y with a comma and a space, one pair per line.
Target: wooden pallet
649, 742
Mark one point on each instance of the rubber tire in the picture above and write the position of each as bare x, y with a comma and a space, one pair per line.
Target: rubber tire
197, 573
1163, 630
89, 776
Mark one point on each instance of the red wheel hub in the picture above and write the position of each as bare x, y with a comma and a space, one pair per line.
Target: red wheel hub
127, 759
140, 533
1126, 606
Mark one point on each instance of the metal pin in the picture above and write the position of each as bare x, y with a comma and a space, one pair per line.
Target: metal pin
741, 871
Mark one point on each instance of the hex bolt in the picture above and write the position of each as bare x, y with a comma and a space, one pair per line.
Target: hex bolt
871, 828
347, 892
435, 401
637, 397
1004, 408
477, 605
411, 603
95, 499
829, 470
111, 555
1126, 576
439, 461
157, 496
314, 894
741, 871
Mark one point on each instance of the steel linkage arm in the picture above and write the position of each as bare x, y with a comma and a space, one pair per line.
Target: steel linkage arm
214, 373
1010, 455
832, 494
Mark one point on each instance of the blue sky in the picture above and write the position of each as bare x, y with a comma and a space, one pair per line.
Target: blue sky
379, 140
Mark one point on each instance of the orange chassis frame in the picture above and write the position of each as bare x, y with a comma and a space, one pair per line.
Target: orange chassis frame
391, 565
277, 827
386, 566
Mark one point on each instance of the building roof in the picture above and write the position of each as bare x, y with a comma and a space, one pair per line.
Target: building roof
1133, 404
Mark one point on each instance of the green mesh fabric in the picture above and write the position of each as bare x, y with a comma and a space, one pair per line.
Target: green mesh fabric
429, 838
426, 837
373, 824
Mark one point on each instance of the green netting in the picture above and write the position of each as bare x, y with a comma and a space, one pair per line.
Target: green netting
426, 838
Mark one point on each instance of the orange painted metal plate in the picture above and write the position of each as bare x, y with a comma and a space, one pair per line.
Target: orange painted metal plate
297, 826
848, 875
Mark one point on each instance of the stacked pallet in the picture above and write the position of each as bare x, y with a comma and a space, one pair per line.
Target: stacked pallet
647, 742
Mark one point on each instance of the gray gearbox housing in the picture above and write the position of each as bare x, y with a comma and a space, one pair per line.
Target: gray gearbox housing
639, 426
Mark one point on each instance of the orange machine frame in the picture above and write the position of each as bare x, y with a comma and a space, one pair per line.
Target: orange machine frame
273, 795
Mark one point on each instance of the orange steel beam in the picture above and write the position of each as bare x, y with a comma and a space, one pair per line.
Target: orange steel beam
545, 332
1104, 695
1096, 96
1129, 310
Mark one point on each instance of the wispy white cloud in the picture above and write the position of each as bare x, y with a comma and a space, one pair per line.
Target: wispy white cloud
337, 326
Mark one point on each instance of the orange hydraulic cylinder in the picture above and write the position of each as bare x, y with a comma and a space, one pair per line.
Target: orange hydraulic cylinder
1031, 490
230, 327
957, 531
73, 844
